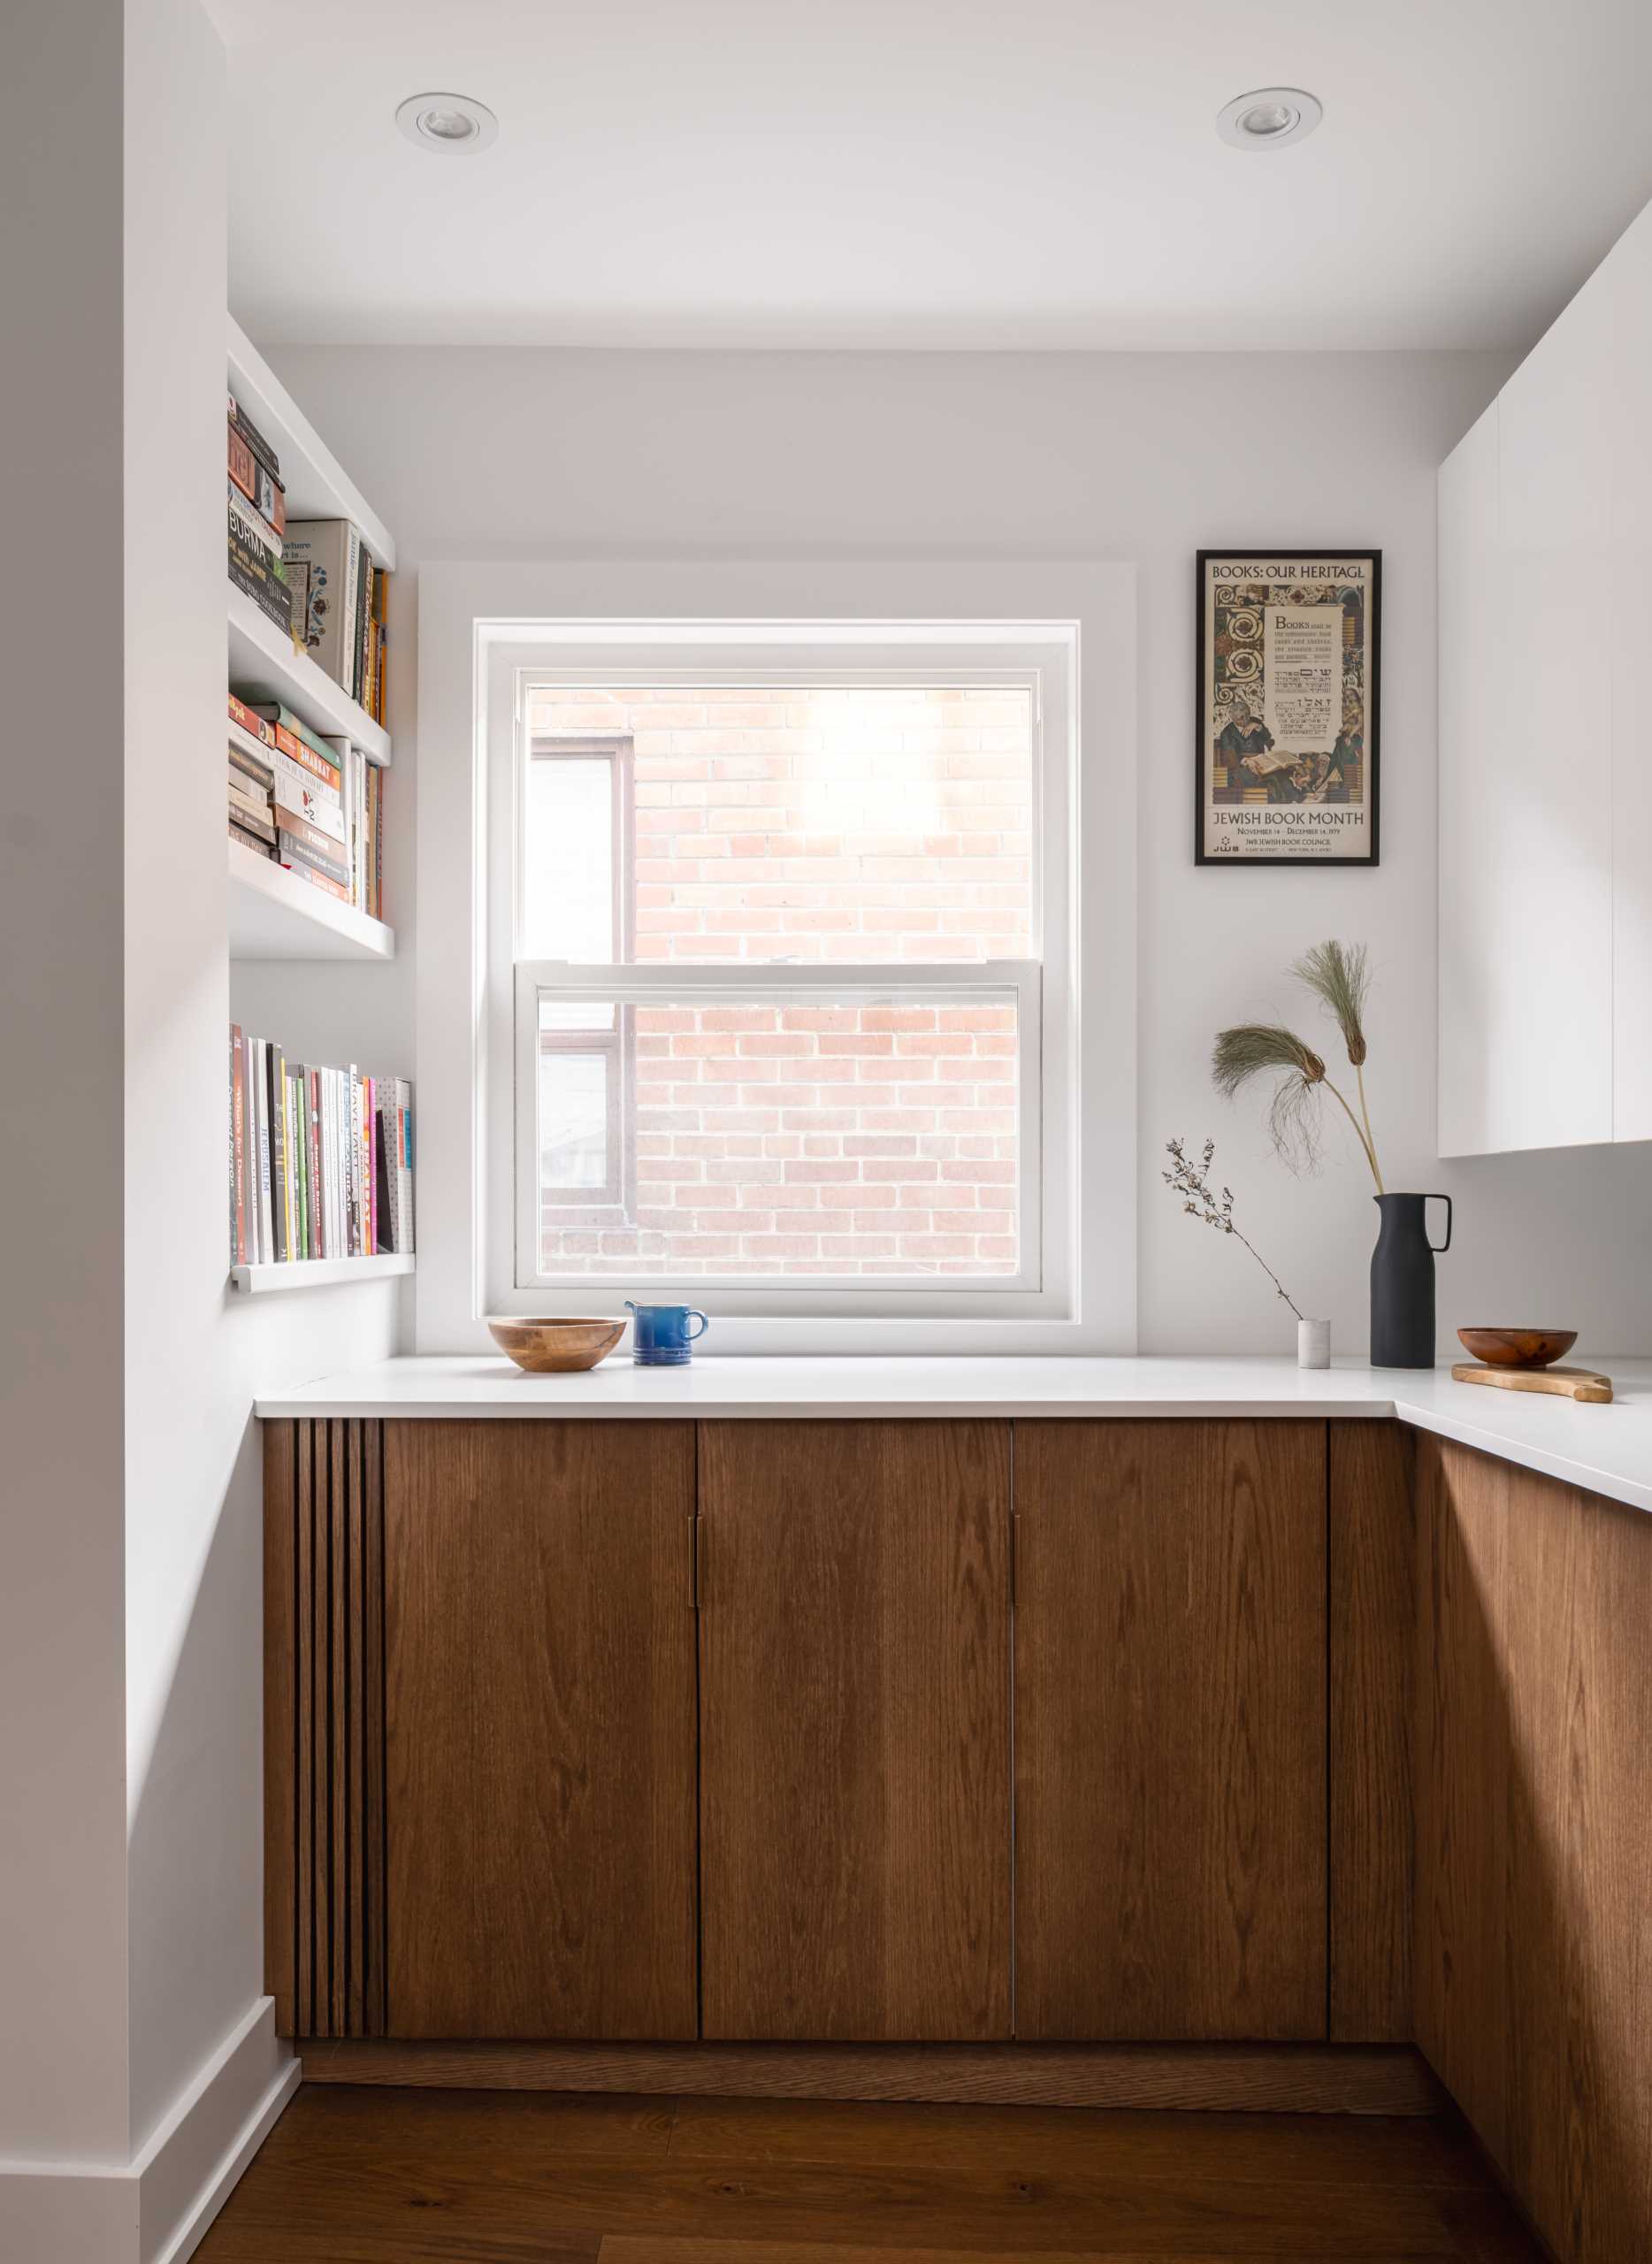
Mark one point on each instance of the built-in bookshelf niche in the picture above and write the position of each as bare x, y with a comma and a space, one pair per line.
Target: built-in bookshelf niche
321, 1174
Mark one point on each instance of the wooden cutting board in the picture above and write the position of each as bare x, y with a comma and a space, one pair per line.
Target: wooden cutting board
1565, 1383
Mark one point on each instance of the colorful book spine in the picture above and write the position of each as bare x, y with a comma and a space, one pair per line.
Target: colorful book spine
320, 1159
292, 851
311, 878
326, 849
296, 793
257, 773
294, 738
258, 577
246, 795
253, 530
253, 437
237, 1151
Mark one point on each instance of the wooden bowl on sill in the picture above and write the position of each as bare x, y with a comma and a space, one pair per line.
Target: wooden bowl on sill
550, 1348
1518, 1347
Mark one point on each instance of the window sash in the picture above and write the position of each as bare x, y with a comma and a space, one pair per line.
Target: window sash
896, 983
504, 650
617, 750
610, 1047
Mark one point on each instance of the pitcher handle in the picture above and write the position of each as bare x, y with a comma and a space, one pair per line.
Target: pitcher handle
694, 1335
1440, 1248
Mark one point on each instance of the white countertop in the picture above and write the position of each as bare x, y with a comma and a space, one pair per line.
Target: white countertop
1608, 1450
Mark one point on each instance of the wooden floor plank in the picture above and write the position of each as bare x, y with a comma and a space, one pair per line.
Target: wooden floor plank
1282, 2078
1323, 2149
376, 2176
623, 2249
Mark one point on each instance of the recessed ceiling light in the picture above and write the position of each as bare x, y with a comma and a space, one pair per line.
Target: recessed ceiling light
452, 124
1268, 118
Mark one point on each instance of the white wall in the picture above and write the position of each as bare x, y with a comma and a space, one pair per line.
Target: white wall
136, 2052
194, 1353
479, 454
62, 1828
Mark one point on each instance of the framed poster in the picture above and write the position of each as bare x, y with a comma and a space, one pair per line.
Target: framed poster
1286, 758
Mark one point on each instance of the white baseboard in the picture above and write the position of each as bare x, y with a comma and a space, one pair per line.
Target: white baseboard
156, 2208
190, 2165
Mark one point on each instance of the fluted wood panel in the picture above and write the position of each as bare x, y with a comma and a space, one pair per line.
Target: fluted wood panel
324, 1727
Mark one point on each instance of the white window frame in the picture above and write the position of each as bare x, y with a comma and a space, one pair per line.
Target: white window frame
757, 656
588, 612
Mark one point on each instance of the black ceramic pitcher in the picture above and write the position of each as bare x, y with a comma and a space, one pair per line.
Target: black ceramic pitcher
1403, 1282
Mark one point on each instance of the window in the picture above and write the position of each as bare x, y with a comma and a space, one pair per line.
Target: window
778, 940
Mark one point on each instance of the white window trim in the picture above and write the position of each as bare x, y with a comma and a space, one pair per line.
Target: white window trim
468, 612
1037, 658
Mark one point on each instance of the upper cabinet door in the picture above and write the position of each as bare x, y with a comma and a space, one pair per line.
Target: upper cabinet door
1170, 1731
1545, 822
1479, 1055
540, 1729
854, 1741
1628, 379
1546, 812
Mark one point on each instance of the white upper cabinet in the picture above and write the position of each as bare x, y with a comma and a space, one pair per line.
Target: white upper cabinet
1629, 419
1545, 840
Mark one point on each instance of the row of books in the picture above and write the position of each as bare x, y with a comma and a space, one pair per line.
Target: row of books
338, 598
321, 1160
312, 802
314, 579
258, 519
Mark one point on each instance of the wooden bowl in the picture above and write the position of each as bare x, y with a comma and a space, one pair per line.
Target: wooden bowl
1518, 1347
548, 1348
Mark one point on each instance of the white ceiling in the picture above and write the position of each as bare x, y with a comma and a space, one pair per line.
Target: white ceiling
1001, 174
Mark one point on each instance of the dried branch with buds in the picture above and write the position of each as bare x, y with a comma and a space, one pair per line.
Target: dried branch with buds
1192, 1182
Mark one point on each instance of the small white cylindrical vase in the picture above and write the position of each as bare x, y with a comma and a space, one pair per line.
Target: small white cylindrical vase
1313, 1343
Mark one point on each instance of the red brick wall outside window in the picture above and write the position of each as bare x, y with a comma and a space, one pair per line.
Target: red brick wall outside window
824, 826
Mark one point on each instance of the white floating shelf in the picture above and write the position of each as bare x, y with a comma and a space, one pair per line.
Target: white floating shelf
272, 915
317, 1274
265, 661
316, 484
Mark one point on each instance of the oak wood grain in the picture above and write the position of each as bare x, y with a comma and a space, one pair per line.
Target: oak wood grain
372, 1652
280, 1724
854, 1741
305, 1550
1170, 1730
1371, 1539
1585, 1384
1535, 1837
361, 2178
669, 2248
337, 1754
1250, 2079
540, 1729
1328, 2149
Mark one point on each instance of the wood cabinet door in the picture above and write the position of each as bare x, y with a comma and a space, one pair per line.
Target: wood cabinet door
1170, 1730
540, 1729
1535, 1837
854, 1730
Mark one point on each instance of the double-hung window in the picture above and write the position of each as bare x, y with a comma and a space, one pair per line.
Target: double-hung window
780, 932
